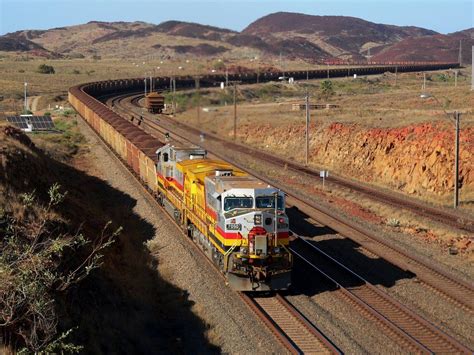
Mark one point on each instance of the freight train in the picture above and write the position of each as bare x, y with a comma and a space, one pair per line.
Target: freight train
238, 221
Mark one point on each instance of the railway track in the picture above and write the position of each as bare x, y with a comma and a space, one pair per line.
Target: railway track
454, 289
289, 326
412, 331
293, 330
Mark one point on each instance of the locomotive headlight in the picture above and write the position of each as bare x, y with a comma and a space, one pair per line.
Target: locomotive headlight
276, 250
244, 251
257, 219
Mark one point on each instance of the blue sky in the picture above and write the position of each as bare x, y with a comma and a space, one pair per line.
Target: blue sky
443, 16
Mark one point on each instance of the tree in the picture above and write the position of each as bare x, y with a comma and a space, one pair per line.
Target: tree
45, 69
327, 89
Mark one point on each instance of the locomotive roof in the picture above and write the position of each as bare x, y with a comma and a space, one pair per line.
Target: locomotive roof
198, 169
224, 183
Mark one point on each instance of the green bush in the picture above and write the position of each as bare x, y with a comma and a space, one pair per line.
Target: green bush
327, 88
218, 65
45, 69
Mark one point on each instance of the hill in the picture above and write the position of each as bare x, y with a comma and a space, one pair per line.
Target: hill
430, 48
339, 36
295, 36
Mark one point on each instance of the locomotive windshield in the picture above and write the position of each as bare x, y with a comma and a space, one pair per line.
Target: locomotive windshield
268, 202
237, 202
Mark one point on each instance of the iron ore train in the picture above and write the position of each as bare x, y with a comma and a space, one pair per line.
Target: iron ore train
239, 222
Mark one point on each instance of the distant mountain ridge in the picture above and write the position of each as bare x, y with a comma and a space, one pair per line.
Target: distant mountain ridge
307, 37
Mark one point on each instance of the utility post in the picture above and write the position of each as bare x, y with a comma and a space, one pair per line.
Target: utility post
198, 101
307, 128
460, 53
235, 111
472, 70
457, 117
26, 100
145, 85
424, 81
276, 218
173, 89
235, 83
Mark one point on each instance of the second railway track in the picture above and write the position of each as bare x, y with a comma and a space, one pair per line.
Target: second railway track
413, 332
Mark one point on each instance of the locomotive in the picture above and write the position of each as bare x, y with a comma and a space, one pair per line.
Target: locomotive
239, 222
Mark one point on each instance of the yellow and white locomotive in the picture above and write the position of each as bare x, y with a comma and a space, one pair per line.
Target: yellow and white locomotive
238, 220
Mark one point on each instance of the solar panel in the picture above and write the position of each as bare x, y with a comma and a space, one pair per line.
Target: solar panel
19, 122
42, 123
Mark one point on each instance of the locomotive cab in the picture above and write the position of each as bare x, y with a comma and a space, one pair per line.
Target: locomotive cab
252, 215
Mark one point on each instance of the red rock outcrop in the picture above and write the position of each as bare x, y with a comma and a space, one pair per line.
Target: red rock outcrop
416, 159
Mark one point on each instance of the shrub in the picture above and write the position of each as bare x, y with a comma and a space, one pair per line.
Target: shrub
41, 257
218, 65
45, 69
327, 88
75, 71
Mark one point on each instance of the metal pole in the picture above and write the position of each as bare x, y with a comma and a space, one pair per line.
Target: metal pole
276, 219
145, 85
198, 102
235, 111
424, 81
26, 101
307, 128
472, 70
174, 96
456, 161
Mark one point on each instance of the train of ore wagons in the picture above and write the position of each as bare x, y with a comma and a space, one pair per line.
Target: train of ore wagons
239, 222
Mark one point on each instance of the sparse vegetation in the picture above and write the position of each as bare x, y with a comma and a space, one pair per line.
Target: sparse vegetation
218, 65
393, 222
327, 89
45, 69
40, 257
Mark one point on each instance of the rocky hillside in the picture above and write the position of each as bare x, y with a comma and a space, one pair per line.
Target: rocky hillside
296, 36
339, 36
436, 47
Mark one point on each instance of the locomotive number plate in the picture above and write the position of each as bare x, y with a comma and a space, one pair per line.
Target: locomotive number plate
233, 226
